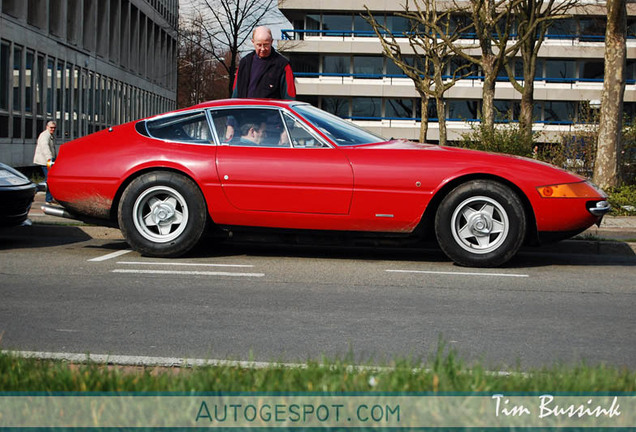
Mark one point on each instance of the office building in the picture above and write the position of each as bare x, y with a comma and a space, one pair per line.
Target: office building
86, 64
340, 67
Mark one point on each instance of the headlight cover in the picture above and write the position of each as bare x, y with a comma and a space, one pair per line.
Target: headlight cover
584, 189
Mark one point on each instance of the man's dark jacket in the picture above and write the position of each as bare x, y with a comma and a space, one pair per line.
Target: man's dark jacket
276, 82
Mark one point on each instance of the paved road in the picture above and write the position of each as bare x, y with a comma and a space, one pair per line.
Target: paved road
291, 303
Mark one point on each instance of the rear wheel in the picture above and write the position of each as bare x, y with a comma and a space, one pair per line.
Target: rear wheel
480, 224
162, 214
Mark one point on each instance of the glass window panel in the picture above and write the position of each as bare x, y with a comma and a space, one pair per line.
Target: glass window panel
17, 127
362, 27
397, 25
560, 70
50, 87
336, 64
566, 27
191, 127
366, 107
593, 70
558, 112
313, 23
399, 108
300, 135
40, 89
506, 110
29, 71
463, 109
17, 79
59, 90
592, 26
336, 106
368, 65
4, 126
431, 110
247, 127
4, 76
337, 22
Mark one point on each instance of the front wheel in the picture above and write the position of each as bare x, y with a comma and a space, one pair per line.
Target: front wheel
481, 223
162, 214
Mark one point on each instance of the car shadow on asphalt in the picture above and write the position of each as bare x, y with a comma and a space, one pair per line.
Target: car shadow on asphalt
38, 236
429, 251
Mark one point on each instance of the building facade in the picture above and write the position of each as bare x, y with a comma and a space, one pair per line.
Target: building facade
86, 64
339, 66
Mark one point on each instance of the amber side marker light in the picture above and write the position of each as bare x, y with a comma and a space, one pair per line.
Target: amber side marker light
570, 190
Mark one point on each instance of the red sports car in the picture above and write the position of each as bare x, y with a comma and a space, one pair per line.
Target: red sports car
262, 163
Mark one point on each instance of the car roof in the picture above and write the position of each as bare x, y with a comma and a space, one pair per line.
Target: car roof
245, 102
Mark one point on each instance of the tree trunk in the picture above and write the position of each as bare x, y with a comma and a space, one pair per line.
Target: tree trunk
488, 94
424, 120
441, 116
606, 166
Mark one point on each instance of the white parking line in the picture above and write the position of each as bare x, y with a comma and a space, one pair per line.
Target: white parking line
460, 273
165, 263
191, 273
110, 255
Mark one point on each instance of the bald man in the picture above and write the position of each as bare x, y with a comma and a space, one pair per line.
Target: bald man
264, 73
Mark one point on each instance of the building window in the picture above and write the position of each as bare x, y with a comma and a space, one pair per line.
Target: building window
304, 63
506, 110
560, 70
29, 81
559, 112
36, 15
465, 110
5, 51
399, 108
362, 27
18, 78
337, 106
592, 29
368, 66
593, 70
398, 25
562, 28
334, 23
56, 17
366, 107
336, 64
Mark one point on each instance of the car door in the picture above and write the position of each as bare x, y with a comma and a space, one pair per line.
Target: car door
268, 161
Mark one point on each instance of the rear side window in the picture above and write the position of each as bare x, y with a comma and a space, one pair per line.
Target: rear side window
190, 127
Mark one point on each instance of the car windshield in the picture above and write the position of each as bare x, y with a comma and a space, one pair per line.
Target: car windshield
340, 131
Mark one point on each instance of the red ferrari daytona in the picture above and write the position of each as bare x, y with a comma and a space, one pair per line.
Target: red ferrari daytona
261, 163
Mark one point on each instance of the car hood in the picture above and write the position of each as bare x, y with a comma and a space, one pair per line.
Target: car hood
466, 161
10, 177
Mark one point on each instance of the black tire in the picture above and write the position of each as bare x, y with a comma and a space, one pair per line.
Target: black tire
480, 223
162, 214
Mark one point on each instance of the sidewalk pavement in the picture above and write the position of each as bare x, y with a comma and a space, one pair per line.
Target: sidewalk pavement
616, 235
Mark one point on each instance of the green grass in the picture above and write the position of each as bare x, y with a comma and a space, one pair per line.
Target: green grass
442, 373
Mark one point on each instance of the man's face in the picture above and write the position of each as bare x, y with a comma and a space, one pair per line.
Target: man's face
51, 129
258, 134
262, 45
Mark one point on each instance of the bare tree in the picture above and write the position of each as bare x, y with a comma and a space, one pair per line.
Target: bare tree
533, 18
227, 26
606, 166
201, 77
431, 56
491, 22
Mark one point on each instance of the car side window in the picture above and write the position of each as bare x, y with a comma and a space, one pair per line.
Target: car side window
190, 127
300, 136
250, 127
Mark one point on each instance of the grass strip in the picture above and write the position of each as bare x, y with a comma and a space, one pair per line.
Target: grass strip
443, 372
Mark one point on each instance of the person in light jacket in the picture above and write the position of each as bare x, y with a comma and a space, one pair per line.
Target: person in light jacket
45, 150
